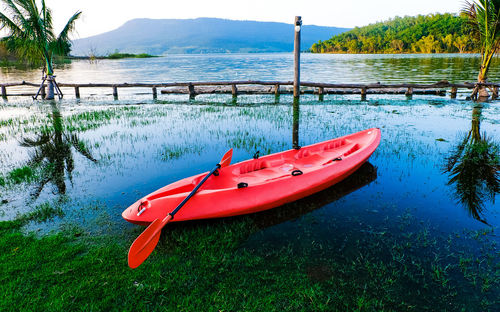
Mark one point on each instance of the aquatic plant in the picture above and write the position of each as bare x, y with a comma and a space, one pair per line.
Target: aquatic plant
22, 174
32, 36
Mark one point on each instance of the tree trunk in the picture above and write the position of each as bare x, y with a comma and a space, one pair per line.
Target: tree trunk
50, 94
482, 92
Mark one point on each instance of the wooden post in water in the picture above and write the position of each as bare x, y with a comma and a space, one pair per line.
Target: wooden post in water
276, 93
77, 92
321, 92
115, 92
155, 93
234, 90
363, 94
295, 127
277, 90
42, 92
296, 51
4, 92
495, 93
409, 92
192, 94
453, 93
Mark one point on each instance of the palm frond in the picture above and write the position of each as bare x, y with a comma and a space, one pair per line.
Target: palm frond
31, 33
62, 44
75, 141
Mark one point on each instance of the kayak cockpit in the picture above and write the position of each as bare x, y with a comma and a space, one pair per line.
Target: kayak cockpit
268, 168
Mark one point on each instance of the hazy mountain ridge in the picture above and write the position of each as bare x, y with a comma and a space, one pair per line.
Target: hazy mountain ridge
201, 35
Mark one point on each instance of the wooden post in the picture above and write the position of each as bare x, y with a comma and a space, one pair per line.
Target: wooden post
321, 92
42, 92
495, 93
192, 94
453, 93
4, 92
296, 49
363, 94
234, 90
409, 92
115, 92
155, 93
77, 92
276, 94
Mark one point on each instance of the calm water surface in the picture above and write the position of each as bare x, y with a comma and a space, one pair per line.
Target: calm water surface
96, 156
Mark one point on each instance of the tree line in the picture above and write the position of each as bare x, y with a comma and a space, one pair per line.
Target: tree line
433, 33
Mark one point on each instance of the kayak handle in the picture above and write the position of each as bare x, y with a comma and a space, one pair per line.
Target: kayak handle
296, 172
242, 185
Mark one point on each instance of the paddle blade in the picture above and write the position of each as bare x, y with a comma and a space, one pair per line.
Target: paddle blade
226, 159
145, 243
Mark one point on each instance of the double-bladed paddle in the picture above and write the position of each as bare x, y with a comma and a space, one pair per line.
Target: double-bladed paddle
145, 243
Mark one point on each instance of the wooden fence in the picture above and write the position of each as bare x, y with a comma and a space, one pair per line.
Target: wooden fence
264, 87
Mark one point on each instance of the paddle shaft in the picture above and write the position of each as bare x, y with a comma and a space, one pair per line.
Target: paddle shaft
217, 167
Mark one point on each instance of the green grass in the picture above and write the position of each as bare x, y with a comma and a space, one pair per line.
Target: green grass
19, 175
43, 212
193, 269
209, 266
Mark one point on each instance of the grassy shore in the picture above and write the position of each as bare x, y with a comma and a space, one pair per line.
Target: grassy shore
213, 266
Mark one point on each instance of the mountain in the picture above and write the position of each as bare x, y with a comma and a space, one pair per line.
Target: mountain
200, 35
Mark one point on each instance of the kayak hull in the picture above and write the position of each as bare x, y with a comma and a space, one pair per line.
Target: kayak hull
264, 183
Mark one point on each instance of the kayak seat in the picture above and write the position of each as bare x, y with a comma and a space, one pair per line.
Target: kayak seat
253, 166
302, 153
334, 144
352, 150
310, 161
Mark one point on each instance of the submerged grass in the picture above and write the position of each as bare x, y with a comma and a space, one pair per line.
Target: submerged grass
43, 212
232, 265
22, 174
205, 266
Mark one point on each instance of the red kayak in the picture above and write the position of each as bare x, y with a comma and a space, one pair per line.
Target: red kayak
261, 183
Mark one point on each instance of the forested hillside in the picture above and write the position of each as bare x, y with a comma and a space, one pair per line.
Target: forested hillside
434, 33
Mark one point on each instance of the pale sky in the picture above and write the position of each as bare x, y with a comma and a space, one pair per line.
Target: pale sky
104, 15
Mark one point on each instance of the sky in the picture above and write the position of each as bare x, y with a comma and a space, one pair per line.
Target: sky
104, 15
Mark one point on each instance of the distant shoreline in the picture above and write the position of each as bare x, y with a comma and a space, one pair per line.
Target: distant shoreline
112, 56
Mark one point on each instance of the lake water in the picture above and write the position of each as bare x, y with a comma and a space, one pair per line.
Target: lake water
438, 239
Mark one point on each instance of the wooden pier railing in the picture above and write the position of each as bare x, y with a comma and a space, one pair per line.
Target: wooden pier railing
265, 87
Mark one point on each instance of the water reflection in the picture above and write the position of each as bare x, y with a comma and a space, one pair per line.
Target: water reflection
52, 155
295, 128
365, 175
473, 168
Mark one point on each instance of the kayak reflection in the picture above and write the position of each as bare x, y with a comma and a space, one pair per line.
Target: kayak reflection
365, 175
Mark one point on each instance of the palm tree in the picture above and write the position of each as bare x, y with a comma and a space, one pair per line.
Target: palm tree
484, 19
473, 168
32, 37
52, 153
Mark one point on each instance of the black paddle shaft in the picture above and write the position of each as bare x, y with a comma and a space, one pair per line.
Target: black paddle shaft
217, 167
